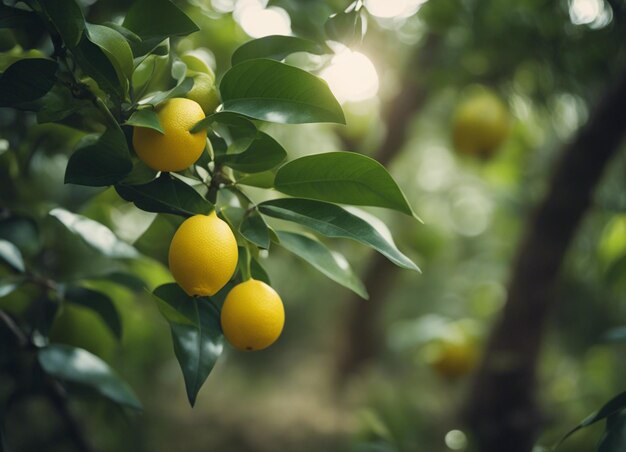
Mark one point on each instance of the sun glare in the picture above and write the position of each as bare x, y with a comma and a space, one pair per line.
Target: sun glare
258, 21
387, 9
351, 76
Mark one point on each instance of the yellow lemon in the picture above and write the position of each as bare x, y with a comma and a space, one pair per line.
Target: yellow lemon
453, 358
252, 315
203, 255
204, 93
177, 148
481, 124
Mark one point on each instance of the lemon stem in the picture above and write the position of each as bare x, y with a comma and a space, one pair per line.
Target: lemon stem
245, 268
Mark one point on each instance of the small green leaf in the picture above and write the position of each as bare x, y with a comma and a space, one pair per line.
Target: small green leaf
98, 302
94, 234
67, 18
263, 154
145, 117
237, 131
333, 221
158, 19
11, 255
254, 229
101, 163
79, 366
26, 80
58, 104
155, 242
166, 194
128, 35
199, 345
315, 253
276, 92
342, 177
10, 283
116, 48
613, 406
275, 47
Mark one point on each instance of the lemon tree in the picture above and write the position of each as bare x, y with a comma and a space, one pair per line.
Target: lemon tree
170, 138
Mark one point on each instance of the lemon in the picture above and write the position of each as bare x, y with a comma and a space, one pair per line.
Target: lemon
204, 93
453, 358
481, 124
177, 148
252, 315
203, 255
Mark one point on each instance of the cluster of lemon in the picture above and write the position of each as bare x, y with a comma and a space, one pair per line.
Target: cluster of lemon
203, 253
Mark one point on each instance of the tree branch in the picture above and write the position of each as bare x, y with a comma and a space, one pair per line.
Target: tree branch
502, 410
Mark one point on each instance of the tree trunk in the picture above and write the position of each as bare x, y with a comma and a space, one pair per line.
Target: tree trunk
501, 409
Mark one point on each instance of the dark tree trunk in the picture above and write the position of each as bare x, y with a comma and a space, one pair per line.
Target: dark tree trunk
362, 335
501, 410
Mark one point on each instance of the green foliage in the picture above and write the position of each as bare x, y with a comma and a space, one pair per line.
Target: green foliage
26, 80
275, 48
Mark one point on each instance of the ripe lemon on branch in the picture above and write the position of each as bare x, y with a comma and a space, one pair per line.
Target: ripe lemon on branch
177, 147
252, 316
203, 255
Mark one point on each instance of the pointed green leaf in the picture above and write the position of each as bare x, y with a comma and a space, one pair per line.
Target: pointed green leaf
341, 177
116, 48
161, 96
199, 345
276, 92
26, 80
275, 47
254, 229
98, 302
158, 19
67, 18
333, 221
11, 255
94, 234
100, 163
145, 117
166, 194
264, 153
315, 253
79, 366
96, 64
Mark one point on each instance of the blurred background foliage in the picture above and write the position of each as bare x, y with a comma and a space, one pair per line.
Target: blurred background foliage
548, 61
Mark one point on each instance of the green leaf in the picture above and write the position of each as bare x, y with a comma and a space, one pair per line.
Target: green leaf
94, 234
98, 302
155, 242
166, 194
79, 366
158, 19
26, 80
315, 253
275, 47
276, 92
16, 18
334, 221
264, 153
96, 64
258, 272
116, 48
237, 131
58, 104
613, 406
260, 180
145, 117
161, 96
614, 439
254, 229
198, 345
100, 163
342, 177
8, 284
11, 255
67, 18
